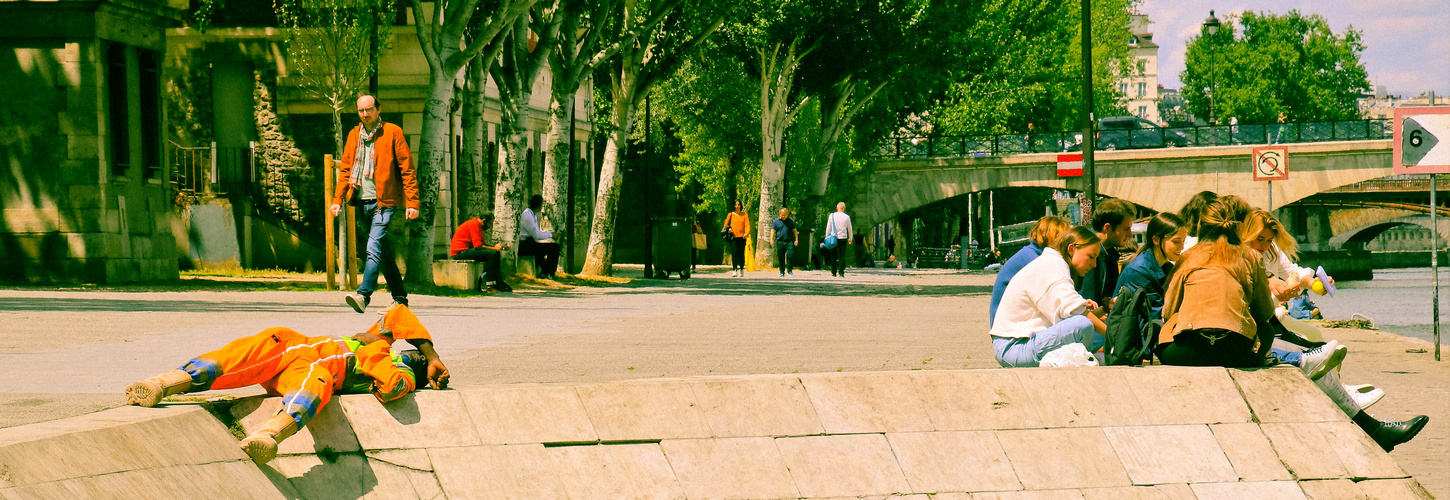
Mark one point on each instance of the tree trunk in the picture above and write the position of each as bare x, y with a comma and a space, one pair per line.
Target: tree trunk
599, 259
428, 165
777, 78
556, 169
475, 186
508, 201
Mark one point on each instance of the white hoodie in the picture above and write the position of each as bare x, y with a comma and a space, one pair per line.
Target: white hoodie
1039, 296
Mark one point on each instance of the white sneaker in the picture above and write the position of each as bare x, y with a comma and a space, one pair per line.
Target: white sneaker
1320, 360
734, 273
1365, 395
791, 274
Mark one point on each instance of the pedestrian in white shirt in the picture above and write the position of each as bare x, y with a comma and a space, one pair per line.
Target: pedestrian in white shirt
1041, 310
538, 242
839, 225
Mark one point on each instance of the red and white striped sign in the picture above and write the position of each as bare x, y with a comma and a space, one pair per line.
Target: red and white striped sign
1069, 165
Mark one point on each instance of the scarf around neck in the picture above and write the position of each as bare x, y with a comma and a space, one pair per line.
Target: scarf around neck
364, 155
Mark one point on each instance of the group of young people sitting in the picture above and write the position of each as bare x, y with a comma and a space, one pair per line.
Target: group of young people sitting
1213, 276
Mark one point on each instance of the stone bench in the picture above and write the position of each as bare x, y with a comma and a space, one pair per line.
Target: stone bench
525, 266
460, 274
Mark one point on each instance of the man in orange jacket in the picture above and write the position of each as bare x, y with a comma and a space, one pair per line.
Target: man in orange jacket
305, 372
377, 174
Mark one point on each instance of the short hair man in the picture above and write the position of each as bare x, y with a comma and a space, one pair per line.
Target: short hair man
786, 237
305, 372
1113, 222
377, 170
468, 244
839, 224
538, 242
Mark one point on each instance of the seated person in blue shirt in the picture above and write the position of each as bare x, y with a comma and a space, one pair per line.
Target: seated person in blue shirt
1149, 268
1043, 233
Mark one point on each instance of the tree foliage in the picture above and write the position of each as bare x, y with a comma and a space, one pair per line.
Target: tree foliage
1020, 62
1260, 64
713, 105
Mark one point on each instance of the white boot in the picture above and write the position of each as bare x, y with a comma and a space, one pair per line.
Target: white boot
1320, 360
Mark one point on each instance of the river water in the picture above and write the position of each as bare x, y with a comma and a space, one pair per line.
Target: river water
1397, 300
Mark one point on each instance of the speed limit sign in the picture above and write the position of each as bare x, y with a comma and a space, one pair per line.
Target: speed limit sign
1422, 140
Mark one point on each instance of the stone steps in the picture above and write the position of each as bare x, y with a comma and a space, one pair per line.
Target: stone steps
1082, 433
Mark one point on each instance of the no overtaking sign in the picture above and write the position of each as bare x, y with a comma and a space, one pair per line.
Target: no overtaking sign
1422, 140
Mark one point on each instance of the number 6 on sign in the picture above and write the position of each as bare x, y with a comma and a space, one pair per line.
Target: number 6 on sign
1419, 143
1271, 163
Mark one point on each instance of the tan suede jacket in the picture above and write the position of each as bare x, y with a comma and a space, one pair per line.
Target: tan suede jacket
1212, 297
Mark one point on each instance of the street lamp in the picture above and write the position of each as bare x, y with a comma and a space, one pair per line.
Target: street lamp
1211, 26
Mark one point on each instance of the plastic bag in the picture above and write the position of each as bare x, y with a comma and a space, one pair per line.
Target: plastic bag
1074, 354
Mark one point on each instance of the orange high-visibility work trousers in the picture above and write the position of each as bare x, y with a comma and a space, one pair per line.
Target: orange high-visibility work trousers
303, 370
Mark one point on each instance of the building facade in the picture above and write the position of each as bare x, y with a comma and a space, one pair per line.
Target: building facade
1140, 91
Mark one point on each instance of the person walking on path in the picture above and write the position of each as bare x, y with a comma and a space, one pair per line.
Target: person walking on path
377, 168
468, 244
839, 225
538, 242
737, 223
786, 237
306, 372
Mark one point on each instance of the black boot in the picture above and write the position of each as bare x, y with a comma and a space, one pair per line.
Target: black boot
1390, 434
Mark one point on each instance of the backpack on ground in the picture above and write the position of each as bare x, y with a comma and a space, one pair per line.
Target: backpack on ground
1132, 334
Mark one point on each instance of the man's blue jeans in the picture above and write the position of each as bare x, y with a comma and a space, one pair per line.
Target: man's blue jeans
380, 254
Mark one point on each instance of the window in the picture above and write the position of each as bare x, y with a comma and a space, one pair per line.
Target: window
1123, 88
1142, 89
150, 87
117, 109
1142, 111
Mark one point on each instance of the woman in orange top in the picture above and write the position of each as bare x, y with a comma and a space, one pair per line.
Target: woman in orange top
738, 223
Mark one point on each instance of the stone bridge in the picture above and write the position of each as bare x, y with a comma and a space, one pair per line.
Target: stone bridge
1160, 179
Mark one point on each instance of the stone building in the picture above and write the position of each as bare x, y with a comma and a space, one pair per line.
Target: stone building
135, 146
1141, 89
84, 193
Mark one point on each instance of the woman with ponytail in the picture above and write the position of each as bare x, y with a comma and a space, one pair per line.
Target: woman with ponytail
1218, 306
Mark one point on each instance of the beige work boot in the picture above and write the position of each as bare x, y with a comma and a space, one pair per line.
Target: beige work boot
262, 445
150, 391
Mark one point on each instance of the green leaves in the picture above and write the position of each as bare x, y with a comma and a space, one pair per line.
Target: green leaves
1261, 64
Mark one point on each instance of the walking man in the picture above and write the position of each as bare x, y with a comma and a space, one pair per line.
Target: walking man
786, 237
378, 172
839, 225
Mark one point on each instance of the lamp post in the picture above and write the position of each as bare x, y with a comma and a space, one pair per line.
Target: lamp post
1211, 26
1089, 121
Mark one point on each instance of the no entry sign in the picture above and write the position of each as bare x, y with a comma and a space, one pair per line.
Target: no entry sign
1069, 165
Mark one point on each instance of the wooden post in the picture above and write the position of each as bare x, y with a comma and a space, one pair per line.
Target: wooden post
351, 212
329, 184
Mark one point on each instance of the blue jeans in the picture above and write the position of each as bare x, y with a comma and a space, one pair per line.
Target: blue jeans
1287, 357
380, 254
1025, 352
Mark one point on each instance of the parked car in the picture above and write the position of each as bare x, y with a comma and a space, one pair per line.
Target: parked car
1131, 132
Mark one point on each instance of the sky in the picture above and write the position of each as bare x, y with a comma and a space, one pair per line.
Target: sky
1407, 42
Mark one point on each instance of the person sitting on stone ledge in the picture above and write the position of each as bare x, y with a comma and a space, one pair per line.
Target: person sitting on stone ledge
1043, 233
468, 244
1217, 311
305, 372
1041, 310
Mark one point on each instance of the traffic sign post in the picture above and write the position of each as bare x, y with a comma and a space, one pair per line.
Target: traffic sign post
1422, 146
1271, 163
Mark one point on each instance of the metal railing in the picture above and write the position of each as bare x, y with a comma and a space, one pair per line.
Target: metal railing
211, 169
1149, 138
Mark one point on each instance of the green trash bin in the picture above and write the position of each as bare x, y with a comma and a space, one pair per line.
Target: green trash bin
672, 242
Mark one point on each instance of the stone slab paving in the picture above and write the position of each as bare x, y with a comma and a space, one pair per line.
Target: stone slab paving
888, 435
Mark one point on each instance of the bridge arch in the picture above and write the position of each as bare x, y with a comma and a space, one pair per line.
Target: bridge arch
1161, 179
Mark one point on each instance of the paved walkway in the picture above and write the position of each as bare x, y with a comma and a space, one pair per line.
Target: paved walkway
72, 352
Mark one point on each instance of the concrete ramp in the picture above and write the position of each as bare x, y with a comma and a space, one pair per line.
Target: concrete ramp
1091, 433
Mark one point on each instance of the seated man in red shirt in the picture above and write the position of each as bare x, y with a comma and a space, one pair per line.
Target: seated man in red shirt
468, 244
